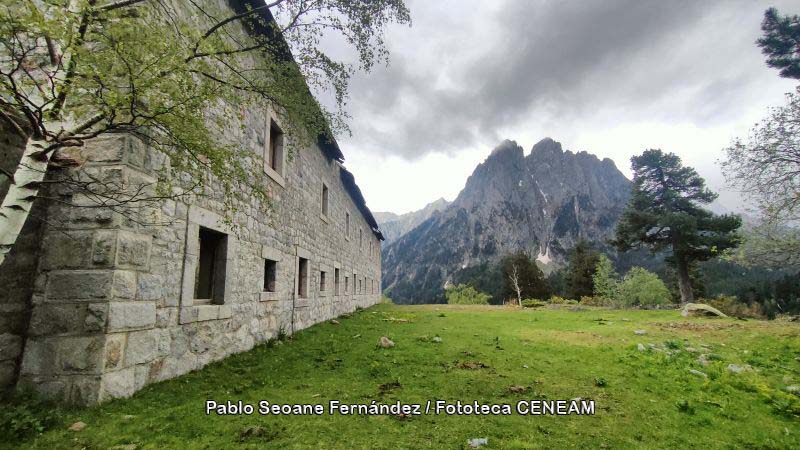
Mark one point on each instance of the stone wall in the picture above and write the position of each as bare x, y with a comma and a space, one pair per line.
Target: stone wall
112, 300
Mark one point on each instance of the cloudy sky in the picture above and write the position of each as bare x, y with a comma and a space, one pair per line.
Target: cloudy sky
611, 77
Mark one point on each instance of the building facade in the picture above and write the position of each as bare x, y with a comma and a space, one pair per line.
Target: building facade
95, 305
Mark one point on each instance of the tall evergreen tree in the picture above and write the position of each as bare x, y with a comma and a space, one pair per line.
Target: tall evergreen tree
664, 213
529, 276
605, 280
582, 263
781, 42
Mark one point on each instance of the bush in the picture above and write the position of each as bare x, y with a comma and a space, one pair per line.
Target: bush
533, 303
556, 300
731, 306
642, 288
24, 414
595, 301
464, 294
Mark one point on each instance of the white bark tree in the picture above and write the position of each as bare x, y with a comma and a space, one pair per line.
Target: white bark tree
514, 278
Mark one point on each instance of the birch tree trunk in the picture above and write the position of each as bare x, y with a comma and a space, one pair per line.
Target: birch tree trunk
18, 201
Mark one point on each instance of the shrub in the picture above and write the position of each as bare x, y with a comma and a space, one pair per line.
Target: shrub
464, 294
642, 288
556, 300
532, 303
731, 306
595, 301
24, 414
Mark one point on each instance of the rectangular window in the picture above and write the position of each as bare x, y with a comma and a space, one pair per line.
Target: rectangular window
359, 285
360, 237
336, 282
275, 148
324, 199
302, 277
346, 285
322, 281
210, 277
347, 225
270, 274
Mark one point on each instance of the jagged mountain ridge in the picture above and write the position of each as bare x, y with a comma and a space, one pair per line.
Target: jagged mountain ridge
542, 203
395, 225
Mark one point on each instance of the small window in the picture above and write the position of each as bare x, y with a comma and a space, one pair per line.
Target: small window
347, 225
346, 285
359, 285
336, 282
275, 148
270, 274
360, 237
210, 277
302, 268
322, 281
324, 199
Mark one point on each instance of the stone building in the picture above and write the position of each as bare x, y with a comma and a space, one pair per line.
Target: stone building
94, 305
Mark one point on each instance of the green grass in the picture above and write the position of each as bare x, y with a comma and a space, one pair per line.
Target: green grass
644, 399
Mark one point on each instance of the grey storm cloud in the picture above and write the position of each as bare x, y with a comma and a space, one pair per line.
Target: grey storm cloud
467, 70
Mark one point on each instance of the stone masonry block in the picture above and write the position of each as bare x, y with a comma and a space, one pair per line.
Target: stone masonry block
10, 346
151, 287
141, 348
115, 345
124, 284
79, 284
78, 354
104, 248
133, 250
53, 319
118, 384
67, 251
131, 315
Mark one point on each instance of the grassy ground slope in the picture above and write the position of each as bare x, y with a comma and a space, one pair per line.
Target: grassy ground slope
644, 399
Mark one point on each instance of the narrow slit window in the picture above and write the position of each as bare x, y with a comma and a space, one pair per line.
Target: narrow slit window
302, 288
275, 149
336, 282
346, 285
210, 276
270, 275
324, 200
347, 225
322, 276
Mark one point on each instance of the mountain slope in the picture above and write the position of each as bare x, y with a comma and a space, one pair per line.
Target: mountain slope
542, 204
393, 225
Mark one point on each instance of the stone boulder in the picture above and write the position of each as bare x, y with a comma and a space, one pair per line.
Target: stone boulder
701, 309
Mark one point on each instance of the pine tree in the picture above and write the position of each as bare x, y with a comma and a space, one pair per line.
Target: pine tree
582, 262
781, 42
664, 213
605, 279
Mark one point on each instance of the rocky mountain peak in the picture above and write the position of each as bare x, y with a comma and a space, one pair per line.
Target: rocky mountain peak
541, 204
547, 146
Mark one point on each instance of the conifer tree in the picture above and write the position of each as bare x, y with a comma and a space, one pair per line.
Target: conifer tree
582, 263
664, 213
781, 42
